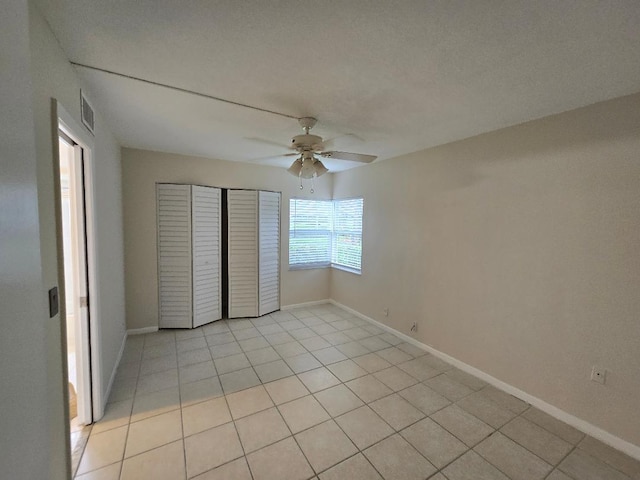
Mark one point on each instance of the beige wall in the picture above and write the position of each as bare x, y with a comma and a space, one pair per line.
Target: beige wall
142, 169
53, 77
517, 252
24, 429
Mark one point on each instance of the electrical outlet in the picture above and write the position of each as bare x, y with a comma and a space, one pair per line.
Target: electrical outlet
598, 375
414, 327
386, 312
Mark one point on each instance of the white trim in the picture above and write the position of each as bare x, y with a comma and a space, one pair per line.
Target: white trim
115, 371
79, 134
141, 331
344, 268
305, 304
578, 423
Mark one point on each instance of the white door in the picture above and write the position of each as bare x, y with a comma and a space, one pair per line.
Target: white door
75, 277
205, 226
242, 213
269, 252
174, 255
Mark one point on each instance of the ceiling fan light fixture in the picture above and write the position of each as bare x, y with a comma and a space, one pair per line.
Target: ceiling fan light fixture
320, 168
308, 170
295, 167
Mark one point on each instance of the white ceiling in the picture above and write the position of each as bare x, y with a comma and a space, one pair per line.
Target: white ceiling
389, 77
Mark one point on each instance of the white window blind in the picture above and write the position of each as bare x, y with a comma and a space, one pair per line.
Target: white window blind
310, 226
325, 233
346, 248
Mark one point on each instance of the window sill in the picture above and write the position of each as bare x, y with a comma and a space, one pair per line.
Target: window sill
346, 269
313, 267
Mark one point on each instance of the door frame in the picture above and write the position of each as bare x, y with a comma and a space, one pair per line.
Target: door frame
62, 120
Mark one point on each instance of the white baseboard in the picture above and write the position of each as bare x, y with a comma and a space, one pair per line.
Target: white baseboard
105, 397
305, 304
141, 331
578, 423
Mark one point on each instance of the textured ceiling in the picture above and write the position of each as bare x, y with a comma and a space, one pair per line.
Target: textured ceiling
386, 78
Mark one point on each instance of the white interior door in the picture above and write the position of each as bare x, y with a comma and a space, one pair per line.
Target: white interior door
81, 288
242, 213
269, 252
174, 255
206, 227
75, 274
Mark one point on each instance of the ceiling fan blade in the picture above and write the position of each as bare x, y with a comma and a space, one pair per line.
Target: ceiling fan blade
268, 142
352, 157
348, 139
273, 157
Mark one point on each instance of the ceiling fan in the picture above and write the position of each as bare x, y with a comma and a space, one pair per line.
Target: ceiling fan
308, 148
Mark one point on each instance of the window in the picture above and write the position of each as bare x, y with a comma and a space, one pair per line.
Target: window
310, 233
346, 245
325, 233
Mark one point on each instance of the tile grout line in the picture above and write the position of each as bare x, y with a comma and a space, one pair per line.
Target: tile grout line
557, 467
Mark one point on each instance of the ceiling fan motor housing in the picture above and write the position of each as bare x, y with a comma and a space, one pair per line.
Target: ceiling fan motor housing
306, 142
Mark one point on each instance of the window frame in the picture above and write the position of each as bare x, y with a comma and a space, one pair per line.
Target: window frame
331, 234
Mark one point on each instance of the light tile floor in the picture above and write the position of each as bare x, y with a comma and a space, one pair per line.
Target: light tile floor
317, 393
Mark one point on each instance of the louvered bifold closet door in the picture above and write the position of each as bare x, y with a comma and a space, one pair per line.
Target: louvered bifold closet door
206, 227
174, 255
269, 252
242, 213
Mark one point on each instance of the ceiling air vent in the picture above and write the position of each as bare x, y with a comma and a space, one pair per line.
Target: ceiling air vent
87, 113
